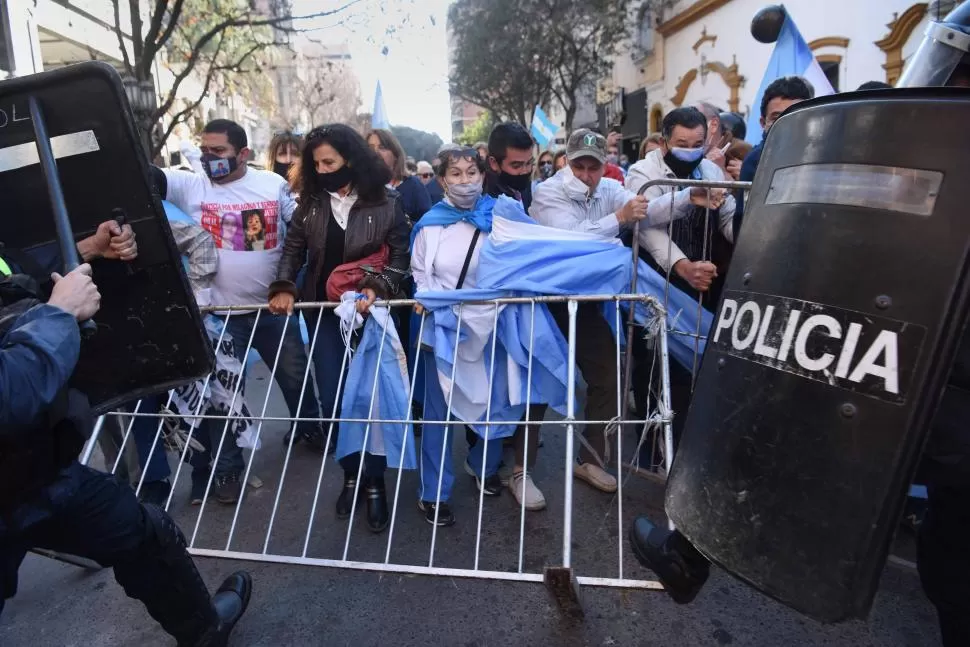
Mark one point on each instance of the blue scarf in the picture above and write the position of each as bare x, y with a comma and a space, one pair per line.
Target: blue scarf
444, 214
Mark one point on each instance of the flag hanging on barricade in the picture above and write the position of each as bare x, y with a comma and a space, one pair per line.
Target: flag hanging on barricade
791, 57
523, 258
543, 129
362, 401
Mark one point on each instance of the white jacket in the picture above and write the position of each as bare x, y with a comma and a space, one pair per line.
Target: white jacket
665, 207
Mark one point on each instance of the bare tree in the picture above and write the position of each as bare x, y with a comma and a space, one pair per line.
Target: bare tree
328, 93
211, 40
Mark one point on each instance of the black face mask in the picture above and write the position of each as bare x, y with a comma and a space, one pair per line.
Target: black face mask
681, 169
518, 182
332, 182
281, 168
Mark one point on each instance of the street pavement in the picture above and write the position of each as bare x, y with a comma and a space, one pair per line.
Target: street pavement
298, 604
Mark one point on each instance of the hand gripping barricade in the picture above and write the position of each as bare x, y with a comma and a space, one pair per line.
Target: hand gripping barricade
846, 295
70, 159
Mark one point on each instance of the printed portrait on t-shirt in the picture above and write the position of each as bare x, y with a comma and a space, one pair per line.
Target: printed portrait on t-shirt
242, 227
255, 230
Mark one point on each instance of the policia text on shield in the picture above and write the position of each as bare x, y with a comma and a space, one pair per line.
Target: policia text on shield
50, 378
824, 379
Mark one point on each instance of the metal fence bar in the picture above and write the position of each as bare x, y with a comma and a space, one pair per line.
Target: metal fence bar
528, 432
151, 452
567, 525
488, 432
293, 432
622, 393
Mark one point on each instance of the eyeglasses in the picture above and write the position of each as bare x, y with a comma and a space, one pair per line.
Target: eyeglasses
294, 133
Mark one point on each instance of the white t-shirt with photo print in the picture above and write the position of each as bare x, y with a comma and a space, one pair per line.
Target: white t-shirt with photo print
247, 220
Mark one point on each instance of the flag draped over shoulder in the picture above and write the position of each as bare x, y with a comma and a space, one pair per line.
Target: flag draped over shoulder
390, 398
522, 258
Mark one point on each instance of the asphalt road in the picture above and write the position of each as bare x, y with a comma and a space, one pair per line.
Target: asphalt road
315, 605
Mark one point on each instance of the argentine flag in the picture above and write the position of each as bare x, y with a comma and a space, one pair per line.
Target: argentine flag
379, 116
792, 56
543, 129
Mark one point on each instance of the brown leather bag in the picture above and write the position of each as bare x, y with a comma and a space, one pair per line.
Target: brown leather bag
349, 276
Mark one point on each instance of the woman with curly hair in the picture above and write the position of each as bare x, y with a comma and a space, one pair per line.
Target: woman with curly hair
346, 215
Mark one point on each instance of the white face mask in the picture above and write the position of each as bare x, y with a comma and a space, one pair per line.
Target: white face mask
575, 188
464, 196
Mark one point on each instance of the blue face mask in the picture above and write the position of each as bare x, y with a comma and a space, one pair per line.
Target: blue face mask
688, 155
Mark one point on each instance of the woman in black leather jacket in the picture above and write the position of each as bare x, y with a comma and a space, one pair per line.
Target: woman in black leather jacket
346, 214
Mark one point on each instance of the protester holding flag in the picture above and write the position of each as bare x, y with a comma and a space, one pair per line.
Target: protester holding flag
445, 252
347, 215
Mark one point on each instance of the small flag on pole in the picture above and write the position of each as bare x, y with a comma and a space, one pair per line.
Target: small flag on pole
378, 118
792, 56
543, 129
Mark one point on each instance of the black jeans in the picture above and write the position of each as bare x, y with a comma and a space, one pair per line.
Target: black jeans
944, 560
94, 515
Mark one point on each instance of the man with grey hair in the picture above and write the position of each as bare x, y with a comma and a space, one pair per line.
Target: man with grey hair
715, 135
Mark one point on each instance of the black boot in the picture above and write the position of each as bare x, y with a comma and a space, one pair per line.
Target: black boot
161, 574
345, 501
314, 437
229, 602
377, 514
679, 566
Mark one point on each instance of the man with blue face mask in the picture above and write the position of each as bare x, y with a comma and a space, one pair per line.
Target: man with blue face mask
684, 250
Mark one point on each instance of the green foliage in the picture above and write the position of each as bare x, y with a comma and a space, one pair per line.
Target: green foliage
478, 130
511, 55
416, 143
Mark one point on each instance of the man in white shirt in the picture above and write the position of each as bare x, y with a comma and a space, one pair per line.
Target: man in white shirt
246, 211
579, 198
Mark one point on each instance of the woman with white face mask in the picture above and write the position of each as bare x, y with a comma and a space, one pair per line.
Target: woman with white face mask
446, 244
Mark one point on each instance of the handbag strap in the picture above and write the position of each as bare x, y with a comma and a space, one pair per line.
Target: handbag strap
468, 259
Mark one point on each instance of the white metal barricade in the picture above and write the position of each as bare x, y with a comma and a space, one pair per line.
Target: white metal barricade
284, 516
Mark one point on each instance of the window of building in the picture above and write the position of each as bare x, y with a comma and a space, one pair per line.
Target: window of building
645, 30
831, 70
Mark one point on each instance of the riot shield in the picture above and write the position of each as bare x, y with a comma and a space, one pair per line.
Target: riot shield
845, 298
149, 334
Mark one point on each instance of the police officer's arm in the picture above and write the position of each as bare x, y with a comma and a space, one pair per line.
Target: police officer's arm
37, 356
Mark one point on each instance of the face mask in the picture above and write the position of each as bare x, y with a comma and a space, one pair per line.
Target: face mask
546, 171
518, 182
681, 168
281, 168
464, 196
612, 159
687, 155
217, 168
332, 182
575, 188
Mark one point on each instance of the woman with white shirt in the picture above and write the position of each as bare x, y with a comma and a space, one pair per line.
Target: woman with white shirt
346, 215
446, 244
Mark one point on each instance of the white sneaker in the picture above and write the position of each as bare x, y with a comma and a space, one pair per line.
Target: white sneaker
595, 476
522, 486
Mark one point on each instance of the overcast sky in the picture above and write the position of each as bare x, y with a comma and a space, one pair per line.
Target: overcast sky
414, 71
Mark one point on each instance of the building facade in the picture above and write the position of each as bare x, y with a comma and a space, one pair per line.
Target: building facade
685, 51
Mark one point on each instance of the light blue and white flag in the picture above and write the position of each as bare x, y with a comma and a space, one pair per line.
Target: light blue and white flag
378, 118
543, 129
792, 57
523, 258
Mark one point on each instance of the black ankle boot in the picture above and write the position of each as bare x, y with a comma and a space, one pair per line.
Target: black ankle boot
377, 514
345, 501
678, 565
229, 602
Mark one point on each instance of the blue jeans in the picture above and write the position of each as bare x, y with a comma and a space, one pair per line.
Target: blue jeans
436, 439
292, 365
328, 356
156, 467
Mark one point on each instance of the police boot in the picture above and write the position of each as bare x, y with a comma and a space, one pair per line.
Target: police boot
229, 603
681, 568
161, 573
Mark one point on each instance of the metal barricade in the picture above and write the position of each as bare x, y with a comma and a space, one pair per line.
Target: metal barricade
578, 540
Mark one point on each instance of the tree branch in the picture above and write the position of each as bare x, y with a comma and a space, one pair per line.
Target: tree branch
155, 24
116, 6
173, 19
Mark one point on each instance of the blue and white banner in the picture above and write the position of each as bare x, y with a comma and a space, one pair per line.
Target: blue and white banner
543, 129
792, 57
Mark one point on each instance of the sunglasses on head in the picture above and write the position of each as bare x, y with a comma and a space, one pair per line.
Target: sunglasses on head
458, 153
426, 176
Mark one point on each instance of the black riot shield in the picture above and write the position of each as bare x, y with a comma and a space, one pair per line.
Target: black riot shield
149, 331
845, 298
